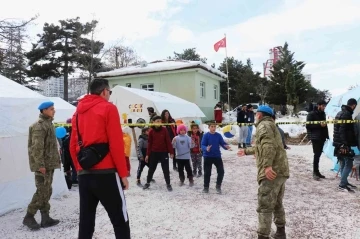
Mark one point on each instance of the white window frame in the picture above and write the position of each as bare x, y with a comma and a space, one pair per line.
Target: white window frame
128, 85
202, 89
216, 92
149, 86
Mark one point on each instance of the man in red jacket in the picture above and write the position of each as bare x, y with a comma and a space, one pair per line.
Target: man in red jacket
158, 150
99, 122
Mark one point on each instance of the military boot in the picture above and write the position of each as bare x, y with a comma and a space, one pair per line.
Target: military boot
30, 222
280, 233
47, 221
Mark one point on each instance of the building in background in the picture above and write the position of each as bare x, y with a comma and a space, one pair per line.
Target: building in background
274, 56
53, 87
193, 81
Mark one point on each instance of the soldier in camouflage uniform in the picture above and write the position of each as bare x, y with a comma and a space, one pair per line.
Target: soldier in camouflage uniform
44, 158
273, 171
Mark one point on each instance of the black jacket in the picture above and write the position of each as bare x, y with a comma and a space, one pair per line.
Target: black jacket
344, 134
315, 131
242, 117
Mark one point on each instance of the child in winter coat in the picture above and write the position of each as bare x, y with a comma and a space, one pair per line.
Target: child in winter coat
141, 153
127, 145
210, 145
183, 144
196, 154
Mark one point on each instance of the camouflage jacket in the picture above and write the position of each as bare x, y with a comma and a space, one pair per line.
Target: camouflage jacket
42, 145
269, 149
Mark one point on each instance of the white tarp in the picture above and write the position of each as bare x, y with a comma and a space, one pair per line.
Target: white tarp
134, 103
18, 107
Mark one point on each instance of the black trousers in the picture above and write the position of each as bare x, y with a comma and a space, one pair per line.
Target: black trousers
107, 189
184, 163
141, 167
318, 146
208, 162
155, 158
174, 161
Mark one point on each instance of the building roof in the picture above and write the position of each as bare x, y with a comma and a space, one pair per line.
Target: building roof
160, 66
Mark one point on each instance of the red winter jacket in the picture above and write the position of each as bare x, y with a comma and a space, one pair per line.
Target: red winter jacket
159, 141
99, 122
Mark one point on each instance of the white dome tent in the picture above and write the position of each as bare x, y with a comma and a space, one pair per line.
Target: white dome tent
18, 107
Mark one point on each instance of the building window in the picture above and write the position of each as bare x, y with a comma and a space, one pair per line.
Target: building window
215, 92
114, 85
128, 85
202, 89
148, 87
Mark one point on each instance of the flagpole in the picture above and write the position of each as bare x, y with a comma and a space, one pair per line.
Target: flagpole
227, 74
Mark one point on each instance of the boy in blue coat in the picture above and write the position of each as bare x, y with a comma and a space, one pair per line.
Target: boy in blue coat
210, 145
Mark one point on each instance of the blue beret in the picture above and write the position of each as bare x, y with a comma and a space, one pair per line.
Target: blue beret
265, 109
45, 105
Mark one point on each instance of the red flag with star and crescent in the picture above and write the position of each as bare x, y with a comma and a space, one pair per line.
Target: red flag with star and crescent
220, 44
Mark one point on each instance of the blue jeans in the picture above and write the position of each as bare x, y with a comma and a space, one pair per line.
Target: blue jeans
248, 138
346, 165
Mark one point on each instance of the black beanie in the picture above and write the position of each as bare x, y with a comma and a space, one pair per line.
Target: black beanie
351, 102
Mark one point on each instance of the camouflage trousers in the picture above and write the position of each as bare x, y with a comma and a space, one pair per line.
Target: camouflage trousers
270, 202
41, 198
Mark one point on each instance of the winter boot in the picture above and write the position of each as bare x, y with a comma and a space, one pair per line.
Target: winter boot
146, 186
30, 222
218, 189
316, 177
206, 190
191, 182
47, 221
280, 233
169, 188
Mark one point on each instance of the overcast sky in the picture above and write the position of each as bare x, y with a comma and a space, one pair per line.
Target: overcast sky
323, 33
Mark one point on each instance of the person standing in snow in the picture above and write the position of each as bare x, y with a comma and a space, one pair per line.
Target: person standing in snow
44, 158
344, 139
159, 148
273, 171
96, 123
141, 153
243, 129
210, 145
167, 119
152, 113
250, 119
196, 153
318, 134
183, 145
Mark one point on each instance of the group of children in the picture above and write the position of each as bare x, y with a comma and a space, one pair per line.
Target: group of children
155, 146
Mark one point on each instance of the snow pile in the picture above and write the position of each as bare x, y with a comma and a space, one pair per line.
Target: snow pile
313, 209
164, 65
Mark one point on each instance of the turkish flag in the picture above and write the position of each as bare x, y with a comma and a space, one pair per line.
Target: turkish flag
219, 44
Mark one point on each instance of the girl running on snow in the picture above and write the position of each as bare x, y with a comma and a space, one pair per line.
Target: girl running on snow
196, 154
182, 143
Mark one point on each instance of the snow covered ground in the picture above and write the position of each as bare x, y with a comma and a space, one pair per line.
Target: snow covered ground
313, 209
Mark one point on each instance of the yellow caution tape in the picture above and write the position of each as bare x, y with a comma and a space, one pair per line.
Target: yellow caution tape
241, 124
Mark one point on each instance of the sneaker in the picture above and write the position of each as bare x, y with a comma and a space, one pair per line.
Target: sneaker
345, 189
169, 188
320, 175
351, 186
146, 186
138, 183
218, 189
205, 190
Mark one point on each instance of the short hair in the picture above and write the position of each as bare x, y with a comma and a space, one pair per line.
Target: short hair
212, 123
351, 102
98, 85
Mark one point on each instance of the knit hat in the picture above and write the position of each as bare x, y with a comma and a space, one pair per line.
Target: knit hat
181, 127
266, 109
351, 102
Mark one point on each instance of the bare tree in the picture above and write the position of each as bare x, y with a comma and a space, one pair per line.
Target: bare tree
262, 89
119, 56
